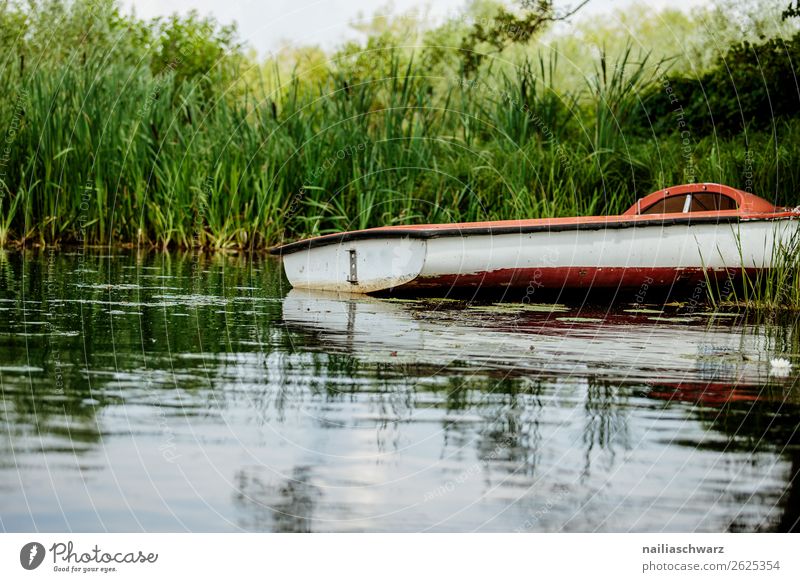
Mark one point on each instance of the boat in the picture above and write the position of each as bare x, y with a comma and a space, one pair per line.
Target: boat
644, 345
680, 235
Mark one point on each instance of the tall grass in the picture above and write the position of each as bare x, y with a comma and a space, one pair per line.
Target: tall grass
772, 290
104, 149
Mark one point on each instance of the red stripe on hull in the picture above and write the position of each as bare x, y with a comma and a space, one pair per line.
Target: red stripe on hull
576, 277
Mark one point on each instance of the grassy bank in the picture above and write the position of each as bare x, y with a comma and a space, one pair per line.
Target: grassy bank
120, 131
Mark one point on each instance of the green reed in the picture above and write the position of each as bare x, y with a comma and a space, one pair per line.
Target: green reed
771, 290
108, 150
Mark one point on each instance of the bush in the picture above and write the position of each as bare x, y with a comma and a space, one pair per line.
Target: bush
752, 87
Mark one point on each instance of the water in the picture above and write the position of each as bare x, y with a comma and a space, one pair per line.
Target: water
166, 392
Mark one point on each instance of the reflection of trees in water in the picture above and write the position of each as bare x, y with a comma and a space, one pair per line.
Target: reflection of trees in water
507, 437
606, 425
272, 504
302, 380
781, 331
50, 398
790, 500
64, 351
769, 424
498, 414
510, 434
761, 423
512, 410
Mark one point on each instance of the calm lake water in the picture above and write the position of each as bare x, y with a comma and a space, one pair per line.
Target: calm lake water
167, 392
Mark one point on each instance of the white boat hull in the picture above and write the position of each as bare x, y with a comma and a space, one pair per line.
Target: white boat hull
658, 254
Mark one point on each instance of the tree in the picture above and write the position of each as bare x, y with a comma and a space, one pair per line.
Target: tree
507, 28
194, 48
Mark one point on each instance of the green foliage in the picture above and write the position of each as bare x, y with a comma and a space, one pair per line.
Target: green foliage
774, 290
120, 131
750, 88
506, 28
791, 11
192, 47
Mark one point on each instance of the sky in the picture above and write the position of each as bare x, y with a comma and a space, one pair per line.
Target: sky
267, 24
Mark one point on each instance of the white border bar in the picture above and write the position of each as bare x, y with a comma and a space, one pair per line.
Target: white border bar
404, 557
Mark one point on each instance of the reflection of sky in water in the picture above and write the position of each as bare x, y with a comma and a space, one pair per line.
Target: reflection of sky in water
171, 392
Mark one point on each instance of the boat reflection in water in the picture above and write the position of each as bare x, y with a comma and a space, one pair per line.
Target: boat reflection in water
532, 339
630, 419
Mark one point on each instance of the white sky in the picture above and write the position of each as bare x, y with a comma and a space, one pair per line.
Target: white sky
265, 24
